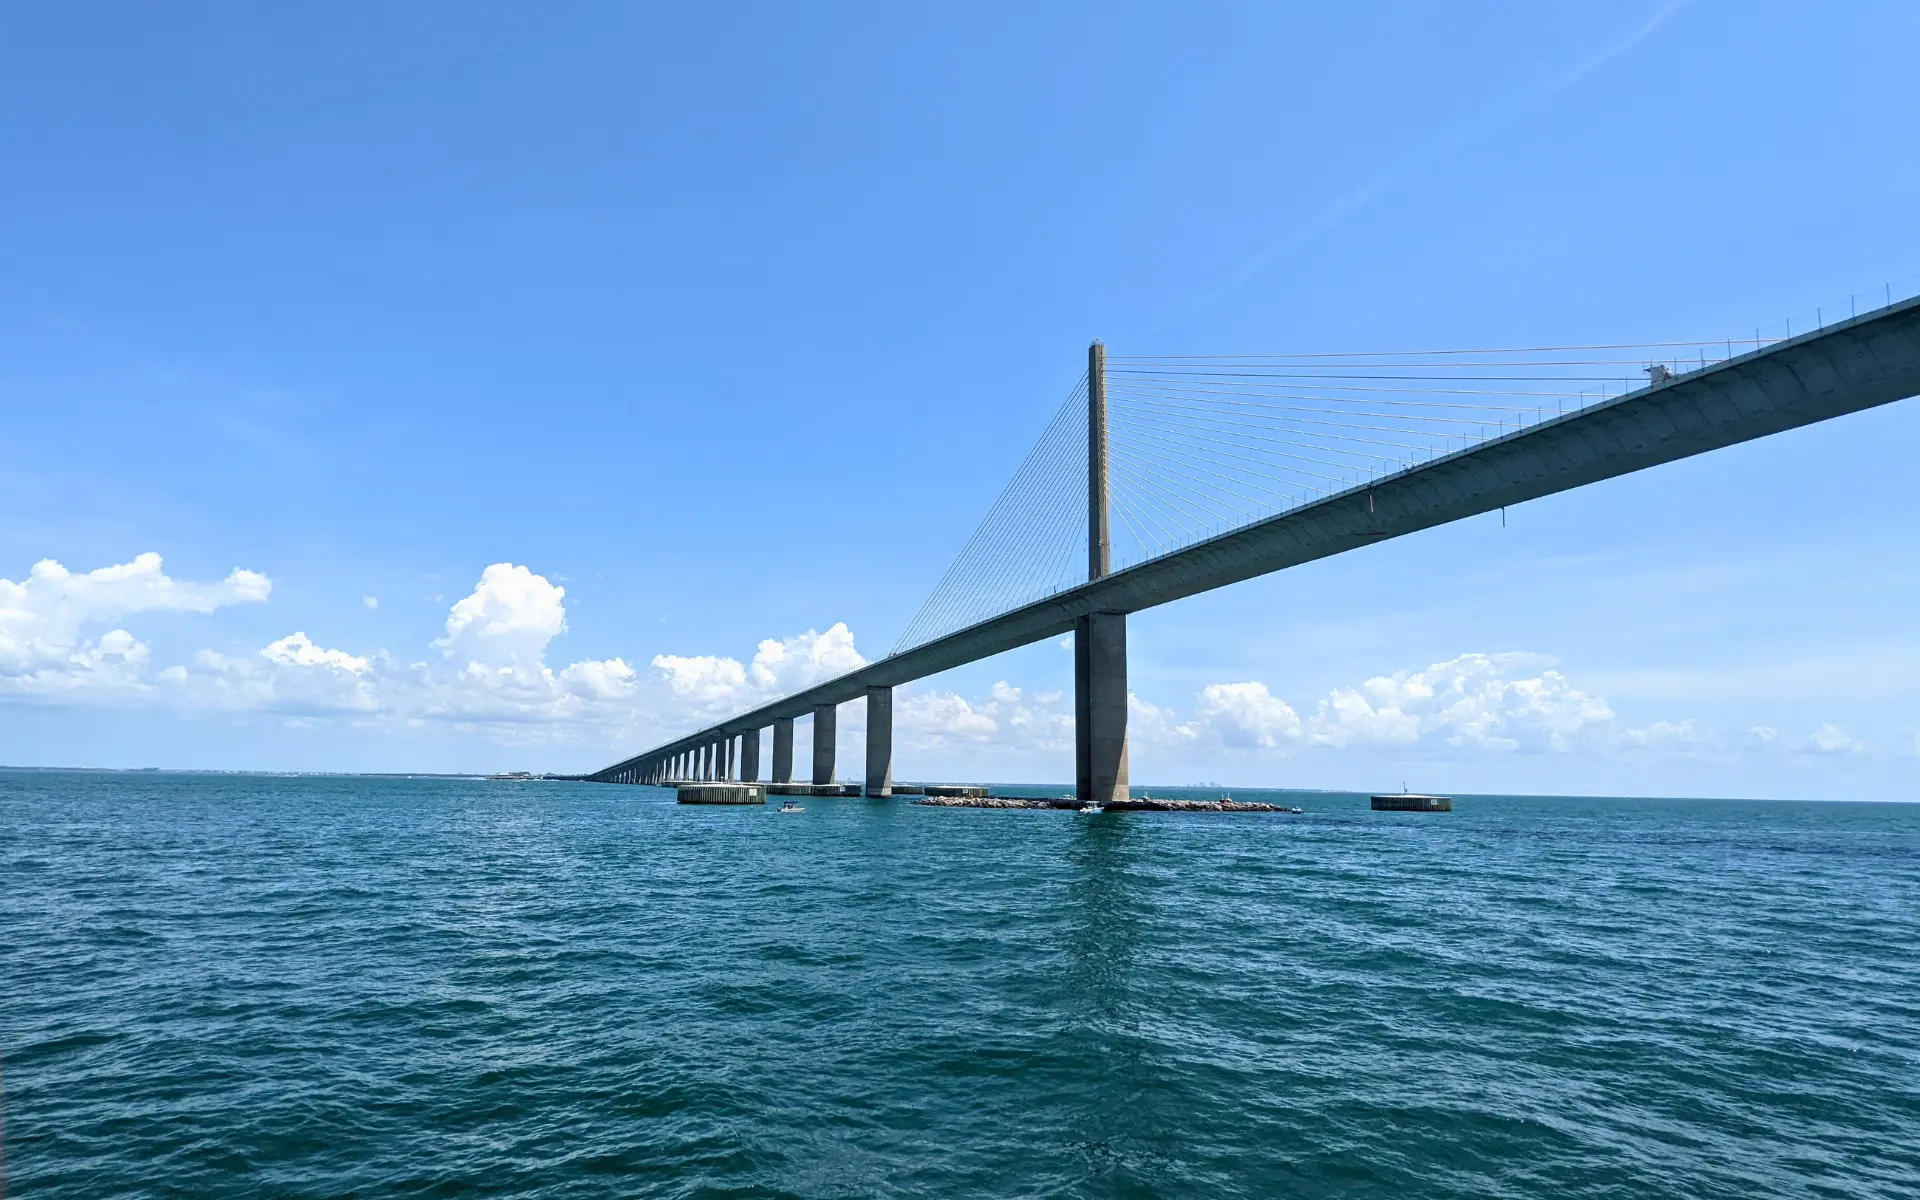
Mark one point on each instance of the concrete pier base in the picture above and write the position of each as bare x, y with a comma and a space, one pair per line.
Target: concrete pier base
783, 749
750, 756
722, 793
825, 741
1410, 802
813, 789
1100, 708
879, 742
958, 791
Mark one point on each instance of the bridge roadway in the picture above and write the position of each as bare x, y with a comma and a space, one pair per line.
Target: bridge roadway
1846, 367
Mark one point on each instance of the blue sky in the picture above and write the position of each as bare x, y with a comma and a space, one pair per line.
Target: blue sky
535, 365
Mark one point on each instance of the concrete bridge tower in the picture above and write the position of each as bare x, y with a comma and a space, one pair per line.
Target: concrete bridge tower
1099, 638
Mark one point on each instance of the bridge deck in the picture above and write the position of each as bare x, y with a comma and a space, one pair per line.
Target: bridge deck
1861, 363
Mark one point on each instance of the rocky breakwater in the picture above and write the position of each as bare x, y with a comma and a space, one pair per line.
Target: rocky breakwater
1141, 805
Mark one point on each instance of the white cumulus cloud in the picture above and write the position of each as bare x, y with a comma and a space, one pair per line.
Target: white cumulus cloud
1006, 717
509, 618
1479, 700
1831, 739
1247, 714
62, 641
714, 684
44, 619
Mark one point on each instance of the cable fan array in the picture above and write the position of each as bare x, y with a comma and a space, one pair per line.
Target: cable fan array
1198, 446
1032, 542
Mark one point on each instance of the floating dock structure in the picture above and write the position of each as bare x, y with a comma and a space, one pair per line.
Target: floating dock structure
723, 793
1409, 802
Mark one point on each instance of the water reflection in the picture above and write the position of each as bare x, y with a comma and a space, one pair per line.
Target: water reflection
1119, 1094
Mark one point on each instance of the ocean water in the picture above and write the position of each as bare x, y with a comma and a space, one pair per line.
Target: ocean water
256, 986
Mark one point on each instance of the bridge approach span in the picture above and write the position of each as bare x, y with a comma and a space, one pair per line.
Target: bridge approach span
1846, 367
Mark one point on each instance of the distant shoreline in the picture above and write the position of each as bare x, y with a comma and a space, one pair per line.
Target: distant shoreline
1051, 788
235, 771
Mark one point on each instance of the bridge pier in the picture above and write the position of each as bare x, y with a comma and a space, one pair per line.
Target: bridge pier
750, 756
783, 750
825, 741
1100, 708
879, 783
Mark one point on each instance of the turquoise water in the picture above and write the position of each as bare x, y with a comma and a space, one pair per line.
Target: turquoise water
255, 986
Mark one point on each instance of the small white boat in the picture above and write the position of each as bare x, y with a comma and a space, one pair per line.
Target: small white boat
1091, 810
789, 806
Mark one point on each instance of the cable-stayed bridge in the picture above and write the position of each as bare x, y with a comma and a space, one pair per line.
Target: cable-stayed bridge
1162, 477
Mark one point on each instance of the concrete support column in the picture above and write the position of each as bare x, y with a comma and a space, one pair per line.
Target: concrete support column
733, 759
700, 763
825, 739
1100, 708
879, 742
783, 750
750, 756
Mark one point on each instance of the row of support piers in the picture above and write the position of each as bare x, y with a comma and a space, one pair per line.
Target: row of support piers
1100, 731
1099, 679
736, 756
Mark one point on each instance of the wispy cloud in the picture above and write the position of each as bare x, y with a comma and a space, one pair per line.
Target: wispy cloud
1498, 113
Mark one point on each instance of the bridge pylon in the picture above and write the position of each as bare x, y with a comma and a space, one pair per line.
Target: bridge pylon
1099, 638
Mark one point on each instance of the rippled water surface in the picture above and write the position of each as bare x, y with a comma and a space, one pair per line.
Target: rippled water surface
251, 986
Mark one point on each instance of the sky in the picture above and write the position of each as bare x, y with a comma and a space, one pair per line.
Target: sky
508, 386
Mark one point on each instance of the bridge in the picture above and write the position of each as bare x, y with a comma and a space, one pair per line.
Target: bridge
1228, 467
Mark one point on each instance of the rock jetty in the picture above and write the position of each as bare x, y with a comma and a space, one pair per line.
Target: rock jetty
1220, 806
